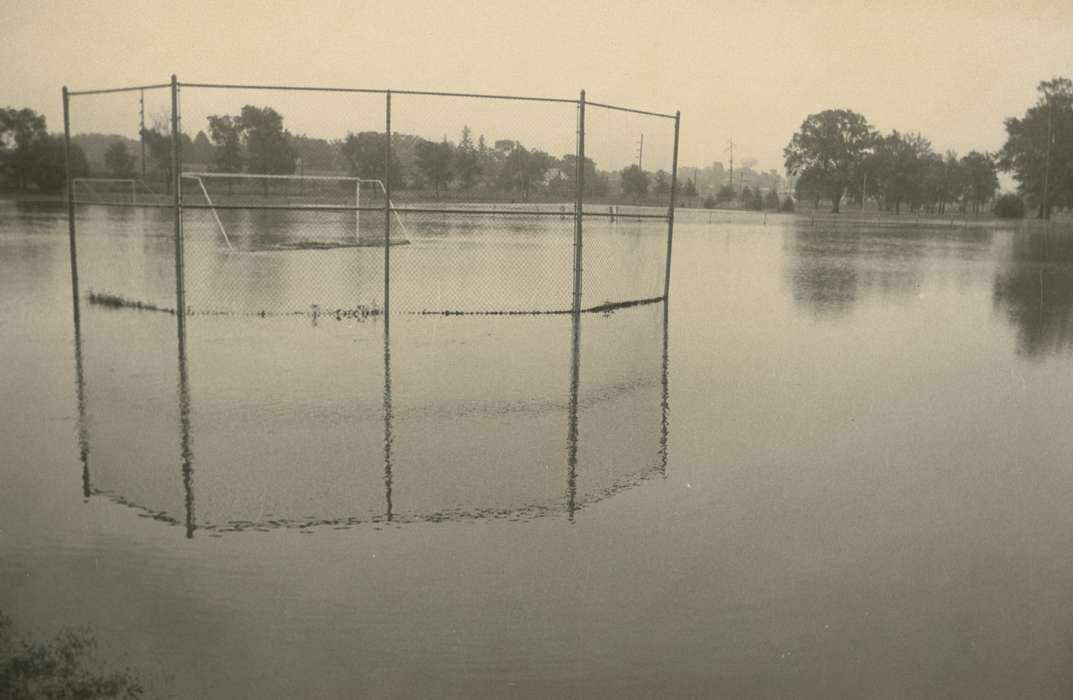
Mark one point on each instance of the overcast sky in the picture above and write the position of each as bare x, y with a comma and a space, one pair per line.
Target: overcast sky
751, 71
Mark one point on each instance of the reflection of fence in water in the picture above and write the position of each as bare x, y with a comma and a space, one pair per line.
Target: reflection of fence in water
259, 439
267, 398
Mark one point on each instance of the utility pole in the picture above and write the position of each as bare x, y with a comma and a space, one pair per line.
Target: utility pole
731, 162
641, 153
141, 131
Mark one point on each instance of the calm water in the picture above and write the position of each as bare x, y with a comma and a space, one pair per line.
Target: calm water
845, 470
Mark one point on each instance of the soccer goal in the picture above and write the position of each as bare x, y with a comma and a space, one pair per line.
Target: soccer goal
105, 190
220, 192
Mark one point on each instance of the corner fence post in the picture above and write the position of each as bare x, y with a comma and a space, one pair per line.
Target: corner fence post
177, 201
387, 205
670, 209
71, 208
580, 203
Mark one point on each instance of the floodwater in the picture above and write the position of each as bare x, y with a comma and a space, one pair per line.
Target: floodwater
840, 466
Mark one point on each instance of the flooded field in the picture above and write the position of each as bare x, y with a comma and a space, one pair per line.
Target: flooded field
836, 464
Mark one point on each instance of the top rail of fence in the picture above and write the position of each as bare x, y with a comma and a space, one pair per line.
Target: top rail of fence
371, 91
589, 103
377, 91
131, 88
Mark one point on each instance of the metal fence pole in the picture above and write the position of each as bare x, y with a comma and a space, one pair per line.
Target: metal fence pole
71, 208
670, 209
580, 203
387, 205
177, 199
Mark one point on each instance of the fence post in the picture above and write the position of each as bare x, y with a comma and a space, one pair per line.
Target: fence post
71, 208
387, 206
580, 203
670, 209
177, 201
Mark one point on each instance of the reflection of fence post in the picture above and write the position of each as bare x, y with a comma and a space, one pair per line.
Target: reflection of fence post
670, 209
571, 418
387, 205
580, 203
177, 200
70, 206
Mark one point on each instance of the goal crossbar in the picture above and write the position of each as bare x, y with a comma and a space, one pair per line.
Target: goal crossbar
200, 177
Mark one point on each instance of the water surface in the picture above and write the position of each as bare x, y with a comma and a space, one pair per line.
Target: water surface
843, 471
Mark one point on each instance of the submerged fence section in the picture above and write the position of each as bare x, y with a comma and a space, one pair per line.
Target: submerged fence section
271, 200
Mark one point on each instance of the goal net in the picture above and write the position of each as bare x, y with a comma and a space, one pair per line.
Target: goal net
258, 211
112, 190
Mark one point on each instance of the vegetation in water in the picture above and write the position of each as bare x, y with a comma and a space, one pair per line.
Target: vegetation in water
114, 301
64, 667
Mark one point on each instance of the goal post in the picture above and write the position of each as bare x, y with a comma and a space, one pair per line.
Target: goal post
105, 190
219, 191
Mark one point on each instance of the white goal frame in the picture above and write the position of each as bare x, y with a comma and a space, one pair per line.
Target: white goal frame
87, 180
358, 181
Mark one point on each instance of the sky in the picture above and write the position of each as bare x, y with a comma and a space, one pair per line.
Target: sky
750, 72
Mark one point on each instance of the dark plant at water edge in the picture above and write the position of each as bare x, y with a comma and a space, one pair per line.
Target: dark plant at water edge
114, 301
60, 668
1010, 206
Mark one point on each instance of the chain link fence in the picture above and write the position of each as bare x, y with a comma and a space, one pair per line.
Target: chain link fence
291, 201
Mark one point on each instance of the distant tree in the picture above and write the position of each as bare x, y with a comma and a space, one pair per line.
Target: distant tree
979, 177
226, 134
434, 161
466, 166
158, 142
689, 189
118, 160
21, 133
634, 182
1039, 148
708, 202
267, 148
725, 194
771, 200
660, 184
787, 204
831, 146
523, 170
902, 162
745, 199
1010, 206
364, 154
48, 166
200, 151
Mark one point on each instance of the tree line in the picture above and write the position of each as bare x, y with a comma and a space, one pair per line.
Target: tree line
256, 141
30, 157
837, 153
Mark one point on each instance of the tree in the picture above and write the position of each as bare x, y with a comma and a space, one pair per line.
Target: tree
364, 154
226, 135
660, 186
118, 160
159, 144
1010, 206
267, 148
831, 146
434, 161
1039, 148
634, 182
745, 201
725, 194
466, 165
771, 200
47, 171
21, 133
979, 178
523, 170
